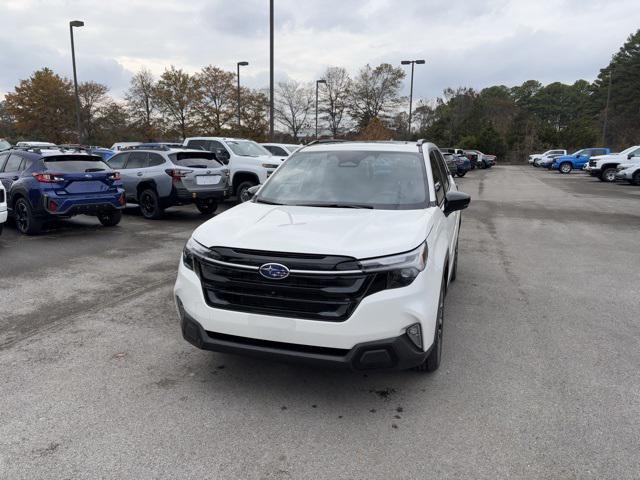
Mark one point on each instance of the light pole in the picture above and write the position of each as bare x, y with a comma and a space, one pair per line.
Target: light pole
76, 23
318, 82
412, 62
271, 70
240, 64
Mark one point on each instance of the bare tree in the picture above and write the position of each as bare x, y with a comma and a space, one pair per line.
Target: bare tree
293, 103
335, 97
176, 95
93, 96
375, 92
254, 114
140, 101
216, 102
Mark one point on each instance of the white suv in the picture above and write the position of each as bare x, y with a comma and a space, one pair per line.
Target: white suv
341, 258
250, 164
3, 206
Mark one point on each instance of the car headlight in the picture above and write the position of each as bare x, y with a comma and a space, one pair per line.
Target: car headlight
401, 269
191, 249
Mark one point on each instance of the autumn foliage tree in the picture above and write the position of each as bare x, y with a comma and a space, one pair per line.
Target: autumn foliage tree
42, 107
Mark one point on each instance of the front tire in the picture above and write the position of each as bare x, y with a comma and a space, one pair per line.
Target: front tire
432, 362
110, 219
207, 208
462, 174
636, 178
242, 191
608, 175
26, 222
150, 204
565, 167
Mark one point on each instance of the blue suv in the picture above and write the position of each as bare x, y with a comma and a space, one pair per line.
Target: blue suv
46, 184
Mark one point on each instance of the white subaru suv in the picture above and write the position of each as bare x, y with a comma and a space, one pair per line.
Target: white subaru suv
342, 258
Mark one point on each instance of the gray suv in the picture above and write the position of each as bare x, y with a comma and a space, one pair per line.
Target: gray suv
158, 178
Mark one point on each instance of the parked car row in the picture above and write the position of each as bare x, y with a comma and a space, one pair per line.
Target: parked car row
461, 161
598, 162
43, 181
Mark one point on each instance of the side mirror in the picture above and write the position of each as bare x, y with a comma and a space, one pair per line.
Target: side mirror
455, 201
251, 192
630, 156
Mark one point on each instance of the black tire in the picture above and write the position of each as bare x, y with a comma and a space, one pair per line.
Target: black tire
26, 222
432, 362
150, 204
565, 167
636, 178
462, 174
208, 208
110, 219
608, 175
241, 191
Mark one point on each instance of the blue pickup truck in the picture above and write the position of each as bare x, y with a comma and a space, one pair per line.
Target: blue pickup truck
577, 160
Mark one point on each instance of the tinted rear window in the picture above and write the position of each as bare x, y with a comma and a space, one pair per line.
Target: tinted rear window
195, 159
75, 164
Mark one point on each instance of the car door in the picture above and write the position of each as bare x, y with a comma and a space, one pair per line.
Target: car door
119, 162
443, 183
11, 170
3, 159
133, 172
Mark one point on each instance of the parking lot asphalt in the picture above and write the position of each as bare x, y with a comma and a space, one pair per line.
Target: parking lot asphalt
539, 377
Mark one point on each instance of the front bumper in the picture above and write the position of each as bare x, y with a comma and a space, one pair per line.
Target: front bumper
184, 195
397, 353
623, 175
378, 323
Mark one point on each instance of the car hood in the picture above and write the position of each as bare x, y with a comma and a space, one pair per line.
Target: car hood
609, 156
359, 233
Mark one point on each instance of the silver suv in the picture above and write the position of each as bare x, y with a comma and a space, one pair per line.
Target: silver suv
161, 177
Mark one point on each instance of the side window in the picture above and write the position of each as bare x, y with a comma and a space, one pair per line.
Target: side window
3, 159
117, 161
155, 160
445, 170
438, 184
215, 146
137, 160
198, 144
13, 164
279, 151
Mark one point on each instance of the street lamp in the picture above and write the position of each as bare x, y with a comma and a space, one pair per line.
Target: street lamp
412, 63
271, 109
318, 82
240, 64
76, 23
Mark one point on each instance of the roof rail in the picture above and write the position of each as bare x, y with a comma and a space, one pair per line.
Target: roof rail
326, 140
162, 148
419, 144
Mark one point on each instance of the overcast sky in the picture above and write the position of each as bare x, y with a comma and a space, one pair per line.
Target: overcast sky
466, 43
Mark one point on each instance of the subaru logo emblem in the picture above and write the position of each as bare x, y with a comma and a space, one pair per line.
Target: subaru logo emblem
274, 271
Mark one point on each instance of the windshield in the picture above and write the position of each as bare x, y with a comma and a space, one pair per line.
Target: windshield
195, 159
349, 179
247, 148
628, 150
578, 153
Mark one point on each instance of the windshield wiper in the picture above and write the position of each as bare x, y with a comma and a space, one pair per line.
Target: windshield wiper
259, 200
334, 205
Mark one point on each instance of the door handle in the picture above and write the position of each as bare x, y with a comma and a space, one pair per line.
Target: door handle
139, 174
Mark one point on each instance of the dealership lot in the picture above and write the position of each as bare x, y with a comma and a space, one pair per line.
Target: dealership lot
539, 375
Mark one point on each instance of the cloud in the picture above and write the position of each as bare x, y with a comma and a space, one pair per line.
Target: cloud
474, 44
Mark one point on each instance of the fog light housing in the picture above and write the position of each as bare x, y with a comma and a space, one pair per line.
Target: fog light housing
414, 332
